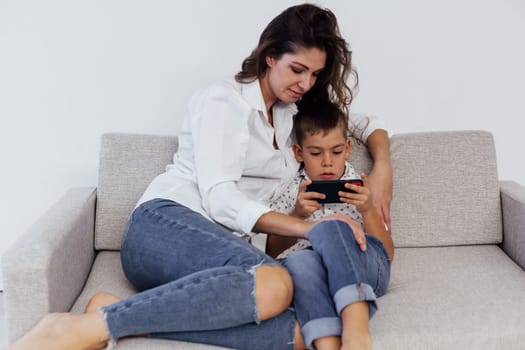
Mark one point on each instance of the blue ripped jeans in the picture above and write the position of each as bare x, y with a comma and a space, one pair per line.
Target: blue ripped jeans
333, 274
196, 283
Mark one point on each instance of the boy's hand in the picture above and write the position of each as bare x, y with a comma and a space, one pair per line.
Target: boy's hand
362, 199
306, 202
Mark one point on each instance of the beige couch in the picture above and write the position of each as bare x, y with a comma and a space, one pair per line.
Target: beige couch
458, 280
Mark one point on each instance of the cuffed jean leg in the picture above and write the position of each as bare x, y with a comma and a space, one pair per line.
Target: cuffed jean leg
353, 275
313, 302
195, 275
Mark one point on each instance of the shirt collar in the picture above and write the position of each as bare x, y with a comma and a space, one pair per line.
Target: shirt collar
252, 93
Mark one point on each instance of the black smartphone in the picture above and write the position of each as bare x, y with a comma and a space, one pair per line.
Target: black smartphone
331, 187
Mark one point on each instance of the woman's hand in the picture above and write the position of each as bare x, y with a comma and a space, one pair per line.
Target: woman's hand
306, 202
359, 233
380, 180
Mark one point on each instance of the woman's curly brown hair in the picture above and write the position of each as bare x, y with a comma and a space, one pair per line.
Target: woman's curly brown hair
306, 26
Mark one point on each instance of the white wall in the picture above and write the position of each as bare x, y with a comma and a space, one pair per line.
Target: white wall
72, 70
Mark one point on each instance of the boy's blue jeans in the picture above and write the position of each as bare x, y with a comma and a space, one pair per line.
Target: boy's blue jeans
196, 282
334, 274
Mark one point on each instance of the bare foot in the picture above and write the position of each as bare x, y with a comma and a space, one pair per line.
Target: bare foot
66, 331
100, 299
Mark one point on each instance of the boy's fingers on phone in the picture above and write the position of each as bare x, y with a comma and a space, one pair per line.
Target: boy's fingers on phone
348, 195
364, 177
303, 184
313, 195
312, 203
355, 188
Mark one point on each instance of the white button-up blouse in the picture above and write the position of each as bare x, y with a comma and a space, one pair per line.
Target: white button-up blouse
226, 167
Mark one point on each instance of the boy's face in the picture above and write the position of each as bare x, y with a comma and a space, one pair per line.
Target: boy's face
323, 154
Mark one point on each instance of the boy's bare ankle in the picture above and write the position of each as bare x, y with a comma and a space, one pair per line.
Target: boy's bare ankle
356, 331
328, 343
357, 341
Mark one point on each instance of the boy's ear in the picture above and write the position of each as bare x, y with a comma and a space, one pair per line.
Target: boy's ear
348, 147
297, 152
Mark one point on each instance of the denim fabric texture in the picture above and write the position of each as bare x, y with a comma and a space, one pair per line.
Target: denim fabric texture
333, 274
195, 281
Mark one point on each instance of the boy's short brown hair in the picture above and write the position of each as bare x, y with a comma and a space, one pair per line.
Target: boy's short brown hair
316, 117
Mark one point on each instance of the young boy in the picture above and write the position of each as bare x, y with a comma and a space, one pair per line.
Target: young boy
322, 146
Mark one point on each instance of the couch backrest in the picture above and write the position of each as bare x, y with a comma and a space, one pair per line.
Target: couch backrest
128, 163
446, 189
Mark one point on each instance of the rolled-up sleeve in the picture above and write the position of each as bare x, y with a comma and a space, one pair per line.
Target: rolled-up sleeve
229, 206
363, 125
220, 137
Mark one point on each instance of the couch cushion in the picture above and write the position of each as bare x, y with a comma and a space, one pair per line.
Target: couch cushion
359, 157
465, 297
446, 189
128, 163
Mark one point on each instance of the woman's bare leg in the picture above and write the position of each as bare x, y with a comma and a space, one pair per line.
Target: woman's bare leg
356, 332
104, 299
273, 290
100, 299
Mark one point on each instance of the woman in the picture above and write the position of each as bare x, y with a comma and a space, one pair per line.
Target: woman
198, 281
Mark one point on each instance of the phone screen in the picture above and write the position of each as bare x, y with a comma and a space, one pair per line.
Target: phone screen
331, 188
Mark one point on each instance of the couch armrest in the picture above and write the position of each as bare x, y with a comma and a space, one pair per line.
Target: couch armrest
46, 267
513, 208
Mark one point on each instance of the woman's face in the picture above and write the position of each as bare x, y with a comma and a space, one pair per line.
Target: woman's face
292, 75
